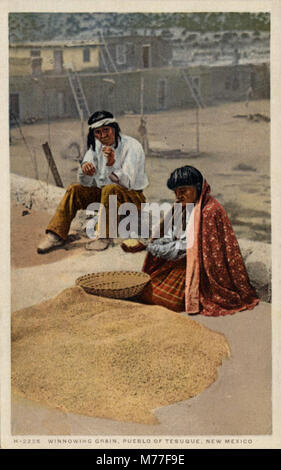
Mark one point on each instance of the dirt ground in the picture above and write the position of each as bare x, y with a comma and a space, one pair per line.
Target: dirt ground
228, 407
24, 243
234, 156
243, 386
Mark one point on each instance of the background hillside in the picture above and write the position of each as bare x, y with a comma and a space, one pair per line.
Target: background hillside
50, 26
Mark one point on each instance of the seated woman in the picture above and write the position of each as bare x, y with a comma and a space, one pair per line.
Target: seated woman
208, 276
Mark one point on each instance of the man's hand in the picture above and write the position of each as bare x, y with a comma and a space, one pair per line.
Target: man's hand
88, 169
109, 155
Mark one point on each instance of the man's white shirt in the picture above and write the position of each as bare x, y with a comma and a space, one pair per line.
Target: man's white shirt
129, 166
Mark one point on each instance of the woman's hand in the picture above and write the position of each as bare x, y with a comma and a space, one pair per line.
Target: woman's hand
88, 169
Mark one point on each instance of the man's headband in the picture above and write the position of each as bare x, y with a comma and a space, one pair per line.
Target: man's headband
102, 122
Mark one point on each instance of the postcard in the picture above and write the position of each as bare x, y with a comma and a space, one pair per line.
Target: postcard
141, 218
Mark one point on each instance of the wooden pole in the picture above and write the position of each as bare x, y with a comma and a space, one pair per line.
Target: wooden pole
197, 129
52, 165
82, 137
36, 166
32, 155
141, 95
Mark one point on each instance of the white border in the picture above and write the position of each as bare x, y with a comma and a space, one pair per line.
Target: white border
274, 7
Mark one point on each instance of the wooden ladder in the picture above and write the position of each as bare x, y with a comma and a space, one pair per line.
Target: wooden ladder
78, 94
195, 92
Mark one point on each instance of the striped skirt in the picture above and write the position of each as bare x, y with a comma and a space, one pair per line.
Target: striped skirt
167, 284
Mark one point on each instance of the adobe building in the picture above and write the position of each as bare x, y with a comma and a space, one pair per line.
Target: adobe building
52, 57
40, 86
134, 52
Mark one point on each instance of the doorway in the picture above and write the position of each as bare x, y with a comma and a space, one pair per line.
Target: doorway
146, 56
162, 93
58, 61
61, 104
14, 107
36, 66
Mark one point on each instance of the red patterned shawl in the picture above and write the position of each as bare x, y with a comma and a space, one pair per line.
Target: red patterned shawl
217, 282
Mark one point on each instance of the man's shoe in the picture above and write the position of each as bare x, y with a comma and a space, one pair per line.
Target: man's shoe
49, 242
99, 244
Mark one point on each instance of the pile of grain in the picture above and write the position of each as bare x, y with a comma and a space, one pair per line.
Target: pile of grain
110, 358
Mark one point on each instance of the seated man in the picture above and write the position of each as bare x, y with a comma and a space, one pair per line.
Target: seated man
113, 165
208, 276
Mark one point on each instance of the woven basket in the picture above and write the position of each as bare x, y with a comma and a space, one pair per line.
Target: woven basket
114, 284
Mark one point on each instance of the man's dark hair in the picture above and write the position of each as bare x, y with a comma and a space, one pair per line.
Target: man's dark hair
186, 176
98, 116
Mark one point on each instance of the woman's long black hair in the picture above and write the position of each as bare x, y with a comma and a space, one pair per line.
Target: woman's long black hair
98, 116
186, 176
